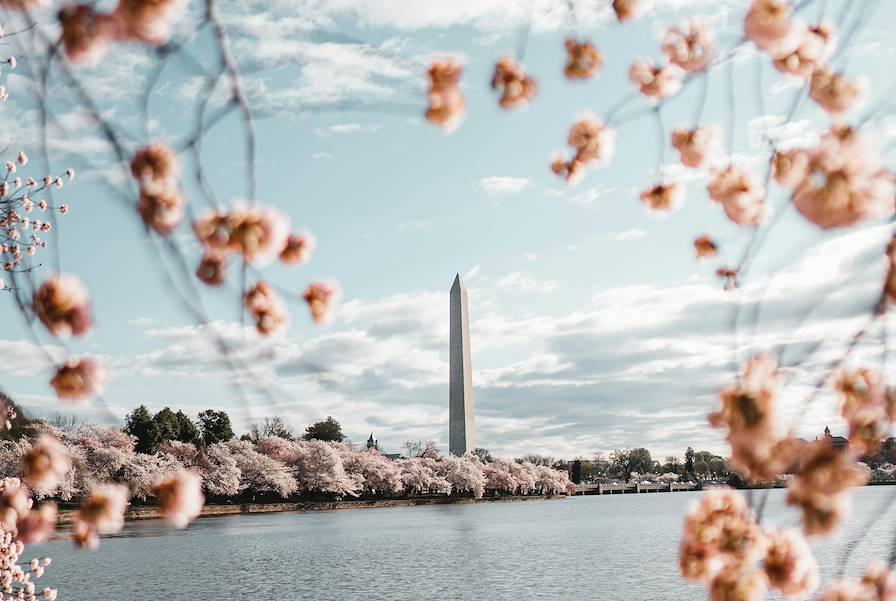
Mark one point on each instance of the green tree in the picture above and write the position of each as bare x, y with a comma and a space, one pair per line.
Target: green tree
642, 462
140, 424
624, 462
689, 461
701, 467
271, 427
673, 464
575, 472
215, 426
545, 460
167, 425
484, 455
187, 430
719, 467
600, 466
327, 430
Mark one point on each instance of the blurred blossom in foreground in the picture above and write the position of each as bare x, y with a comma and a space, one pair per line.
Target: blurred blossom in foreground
322, 298
62, 305
102, 512
180, 497
583, 59
516, 88
446, 101
46, 463
79, 379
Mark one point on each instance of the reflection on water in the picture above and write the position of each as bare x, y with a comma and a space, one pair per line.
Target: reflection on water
610, 547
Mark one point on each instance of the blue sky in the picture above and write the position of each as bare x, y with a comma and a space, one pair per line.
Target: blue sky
593, 327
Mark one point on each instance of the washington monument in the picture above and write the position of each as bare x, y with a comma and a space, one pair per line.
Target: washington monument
461, 429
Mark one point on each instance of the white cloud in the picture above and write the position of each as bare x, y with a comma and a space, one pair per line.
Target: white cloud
498, 185
323, 156
520, 280
623, 236
588, 197
344, 128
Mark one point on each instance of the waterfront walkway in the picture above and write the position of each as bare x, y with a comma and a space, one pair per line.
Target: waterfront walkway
596, 488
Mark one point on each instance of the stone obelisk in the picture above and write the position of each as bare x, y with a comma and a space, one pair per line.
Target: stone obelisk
461, 428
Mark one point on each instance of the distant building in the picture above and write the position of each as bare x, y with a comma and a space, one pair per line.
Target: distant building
838, 442
373, 443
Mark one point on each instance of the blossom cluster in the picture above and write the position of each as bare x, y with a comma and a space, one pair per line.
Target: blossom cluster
17, 580
259, 235
593, 145
88, 33
838, 183
801, 51
747, 413
724, 548
446, 100
22, 210
516, 88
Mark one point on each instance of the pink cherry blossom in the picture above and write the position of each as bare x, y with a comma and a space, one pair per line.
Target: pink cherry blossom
259, 234
820, 488
446, 100
102, 512
79, 379
834, 92
739, 194
155, 167
768, 25
691, 47
583, 59
161, 210
180, 497
148, 21
46, 463
845, 181
705, 248
719, 533
630, 10
37, 525
656, 82
298, 249
86, 34
694, 146
516, 88
789, 565
663, 198
813, 50
62, 305
266, 308
322, 298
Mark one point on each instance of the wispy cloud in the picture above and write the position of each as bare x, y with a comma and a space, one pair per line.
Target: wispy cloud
498, 185
520, 280
344, 128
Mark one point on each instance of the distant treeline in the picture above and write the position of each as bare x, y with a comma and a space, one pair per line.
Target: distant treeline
628, 464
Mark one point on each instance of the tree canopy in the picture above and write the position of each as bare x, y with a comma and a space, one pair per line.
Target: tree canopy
271, 427
215, 426
327, 430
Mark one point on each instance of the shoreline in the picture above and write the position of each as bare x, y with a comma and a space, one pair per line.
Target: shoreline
152, 512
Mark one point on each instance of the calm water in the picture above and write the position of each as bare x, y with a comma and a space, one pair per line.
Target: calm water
609, 547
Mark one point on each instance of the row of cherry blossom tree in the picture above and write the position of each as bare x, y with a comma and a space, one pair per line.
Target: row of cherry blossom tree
272, 467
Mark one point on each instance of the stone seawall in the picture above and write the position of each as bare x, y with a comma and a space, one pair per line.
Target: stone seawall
151, 512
